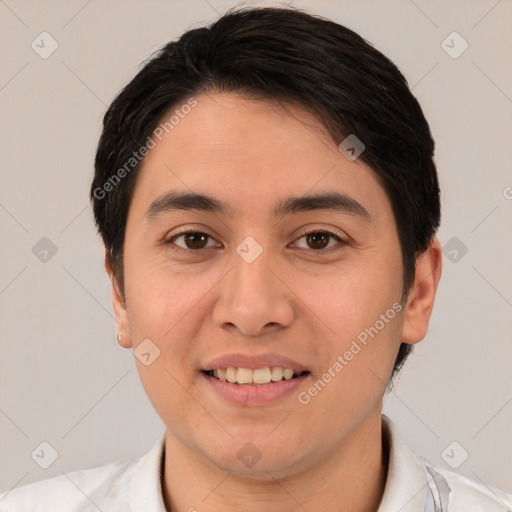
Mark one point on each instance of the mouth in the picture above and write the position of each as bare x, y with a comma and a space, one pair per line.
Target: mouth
254, 387
254, 377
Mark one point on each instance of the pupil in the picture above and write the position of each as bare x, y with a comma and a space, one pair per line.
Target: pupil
319, 237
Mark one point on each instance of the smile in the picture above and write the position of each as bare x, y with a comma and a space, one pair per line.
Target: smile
253, 377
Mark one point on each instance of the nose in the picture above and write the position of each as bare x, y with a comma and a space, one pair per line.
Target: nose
253, 298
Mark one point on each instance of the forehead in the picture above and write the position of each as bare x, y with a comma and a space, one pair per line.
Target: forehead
230, 125
248, 153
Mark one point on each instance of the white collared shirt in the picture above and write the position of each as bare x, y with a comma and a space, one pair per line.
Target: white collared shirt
412, 485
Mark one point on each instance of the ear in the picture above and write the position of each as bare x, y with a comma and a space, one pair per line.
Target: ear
420, 300
120, 311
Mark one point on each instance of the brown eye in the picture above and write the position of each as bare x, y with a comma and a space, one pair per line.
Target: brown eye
195, 240
319, 240
192, 241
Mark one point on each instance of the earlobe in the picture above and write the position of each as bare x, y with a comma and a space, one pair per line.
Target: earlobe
420, 300
120, 311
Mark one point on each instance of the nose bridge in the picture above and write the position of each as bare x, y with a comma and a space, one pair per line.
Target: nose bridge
254, 279
253, 297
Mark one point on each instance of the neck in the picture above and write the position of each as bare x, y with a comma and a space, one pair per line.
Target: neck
353, 477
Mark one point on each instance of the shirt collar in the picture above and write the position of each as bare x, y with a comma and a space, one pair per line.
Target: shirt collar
406, 480
146, 485
404, 491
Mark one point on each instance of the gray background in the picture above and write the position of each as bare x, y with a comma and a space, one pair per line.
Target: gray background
64, 380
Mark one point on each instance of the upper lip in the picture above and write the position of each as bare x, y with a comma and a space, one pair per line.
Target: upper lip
238, 360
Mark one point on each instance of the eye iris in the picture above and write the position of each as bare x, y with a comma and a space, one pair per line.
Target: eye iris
192, 238
318, 238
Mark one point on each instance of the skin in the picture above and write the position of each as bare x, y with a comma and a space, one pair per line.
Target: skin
303, 302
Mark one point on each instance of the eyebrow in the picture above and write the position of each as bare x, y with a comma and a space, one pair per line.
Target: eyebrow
331, 201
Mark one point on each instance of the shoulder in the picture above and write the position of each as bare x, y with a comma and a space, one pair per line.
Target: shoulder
415, 484
103, 488
458, 493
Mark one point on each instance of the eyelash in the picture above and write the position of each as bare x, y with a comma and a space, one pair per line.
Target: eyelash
170, 241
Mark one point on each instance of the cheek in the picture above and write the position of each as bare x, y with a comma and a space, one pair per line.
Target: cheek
160, 297
358, 315
164, 306
348, 299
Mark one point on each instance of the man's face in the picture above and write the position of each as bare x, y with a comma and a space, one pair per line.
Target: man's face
257, 289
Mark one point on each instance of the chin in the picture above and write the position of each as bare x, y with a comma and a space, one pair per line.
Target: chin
256, 460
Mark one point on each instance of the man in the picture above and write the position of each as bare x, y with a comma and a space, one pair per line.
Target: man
266, 192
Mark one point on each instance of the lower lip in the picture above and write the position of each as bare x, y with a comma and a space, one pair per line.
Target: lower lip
262, 394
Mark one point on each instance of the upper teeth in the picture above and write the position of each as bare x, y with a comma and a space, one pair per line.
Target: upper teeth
256, 376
